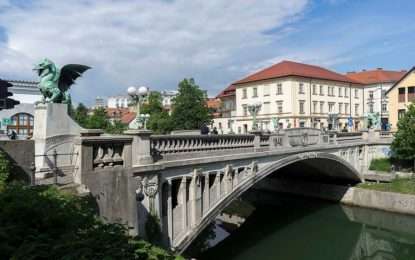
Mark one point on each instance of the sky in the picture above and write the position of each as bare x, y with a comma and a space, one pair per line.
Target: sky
157, 43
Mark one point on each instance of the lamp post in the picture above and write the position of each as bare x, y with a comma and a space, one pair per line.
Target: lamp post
254, 110
138, 96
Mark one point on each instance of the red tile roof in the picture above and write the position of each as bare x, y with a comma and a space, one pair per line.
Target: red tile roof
213, 103
229, 91
290, 68
376, 76
128, 117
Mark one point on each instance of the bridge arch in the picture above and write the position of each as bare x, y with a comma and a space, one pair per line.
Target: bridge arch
329, 165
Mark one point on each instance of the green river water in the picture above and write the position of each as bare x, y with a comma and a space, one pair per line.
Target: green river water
297, 229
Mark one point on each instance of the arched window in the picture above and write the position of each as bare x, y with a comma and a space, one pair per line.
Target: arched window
22, 124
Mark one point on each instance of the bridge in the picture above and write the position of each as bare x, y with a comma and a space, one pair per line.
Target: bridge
187, 180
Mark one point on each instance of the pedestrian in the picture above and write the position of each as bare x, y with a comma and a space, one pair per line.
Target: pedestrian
204, 130
214, 131
13, 135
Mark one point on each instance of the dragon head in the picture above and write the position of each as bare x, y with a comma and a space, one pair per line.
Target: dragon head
44, 67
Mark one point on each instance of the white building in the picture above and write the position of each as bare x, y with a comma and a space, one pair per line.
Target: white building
118, 101
376, 83
99, 102
20, 119
296, 95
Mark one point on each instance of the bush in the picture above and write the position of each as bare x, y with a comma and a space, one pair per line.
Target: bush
382, 164
4, 169
43, 223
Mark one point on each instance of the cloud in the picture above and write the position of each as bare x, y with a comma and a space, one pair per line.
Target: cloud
150, 42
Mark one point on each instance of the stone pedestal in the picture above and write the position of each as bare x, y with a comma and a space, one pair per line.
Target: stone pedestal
53, 131
141, 146
257, 138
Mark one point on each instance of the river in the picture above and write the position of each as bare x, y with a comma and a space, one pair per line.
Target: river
292, 228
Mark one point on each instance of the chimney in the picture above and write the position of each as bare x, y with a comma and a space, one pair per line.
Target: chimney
363, 69
350, 72
379, 68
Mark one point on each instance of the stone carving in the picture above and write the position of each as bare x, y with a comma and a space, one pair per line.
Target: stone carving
147, 187
108, 155
309, 155
253, 168
54, 83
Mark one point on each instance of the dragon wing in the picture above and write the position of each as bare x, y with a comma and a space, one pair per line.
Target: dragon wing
69, 73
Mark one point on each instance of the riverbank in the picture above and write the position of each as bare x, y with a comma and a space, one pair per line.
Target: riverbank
354, 196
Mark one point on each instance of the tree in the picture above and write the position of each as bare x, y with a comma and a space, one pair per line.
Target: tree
403, 146
116, 127
98, 119
160, 121
189, 106
81, 115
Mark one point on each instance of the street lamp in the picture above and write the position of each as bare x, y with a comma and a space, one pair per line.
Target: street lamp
138, 97
254, 110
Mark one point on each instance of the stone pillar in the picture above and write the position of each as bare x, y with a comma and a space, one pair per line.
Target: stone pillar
170, 212
228, 179
53, 130
206, 195
257, 138
193, 198
285, 141
183, 193
218, 186
141, 146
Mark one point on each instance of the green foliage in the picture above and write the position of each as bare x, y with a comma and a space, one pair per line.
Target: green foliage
152, 227
406, 186
116, 127
4, 169
189, 106
403, 146
381, 164
43, 223
81, 115
160, 121
98, 119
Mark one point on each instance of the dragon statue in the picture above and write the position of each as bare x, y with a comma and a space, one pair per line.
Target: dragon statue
373, 120
54, 83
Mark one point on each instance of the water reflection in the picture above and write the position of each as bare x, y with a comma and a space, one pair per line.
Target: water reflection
305, 229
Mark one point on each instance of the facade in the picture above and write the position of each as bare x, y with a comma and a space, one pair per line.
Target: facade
119, 101
99, 102
400, 95
376, 83
292, 94
20, 119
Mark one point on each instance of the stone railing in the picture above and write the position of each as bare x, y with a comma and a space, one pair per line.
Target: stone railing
386, 134
349, 137
167, 144
303, 136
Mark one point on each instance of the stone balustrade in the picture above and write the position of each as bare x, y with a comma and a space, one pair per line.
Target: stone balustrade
166, 144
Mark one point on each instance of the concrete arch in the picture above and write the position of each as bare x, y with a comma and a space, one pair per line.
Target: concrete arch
344, 166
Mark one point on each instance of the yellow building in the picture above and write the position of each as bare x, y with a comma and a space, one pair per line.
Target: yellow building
400, 95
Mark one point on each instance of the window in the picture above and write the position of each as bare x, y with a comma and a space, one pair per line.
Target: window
279, 89
321, 90
383, 93
370, 107
321, 107
331, 106
220, 125
301, 88
266, 90
340, 91
356, 93
255, 92
244, 93
340, 108
411, 94
315, 106
21, 123
301, 103
314, 89
302, 124
266, 108
401, 97
356, 109
384, 107
370, 94
346, 108
401, 113
279, 106
245, 110
346, 92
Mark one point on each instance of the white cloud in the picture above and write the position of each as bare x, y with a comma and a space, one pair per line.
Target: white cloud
150, 42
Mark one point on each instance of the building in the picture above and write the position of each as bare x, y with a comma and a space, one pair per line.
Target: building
376, 83
400, 95
99, 103
292, 94
167, 98
119, 101
21, 118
